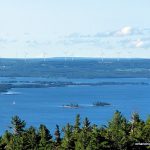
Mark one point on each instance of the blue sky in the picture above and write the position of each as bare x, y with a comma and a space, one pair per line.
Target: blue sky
74, 28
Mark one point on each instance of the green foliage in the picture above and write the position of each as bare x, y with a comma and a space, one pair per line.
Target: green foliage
31, 138
77, 123
68, 141
117, 131
76, 128
86, 124
57, 135
120, 134
16, 143
17, 125
45, 138
137, 126
146, 130
97, 141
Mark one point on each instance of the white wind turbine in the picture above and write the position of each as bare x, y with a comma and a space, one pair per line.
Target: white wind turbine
101, 53
118, 56
25, 56
66, 55
44, 56
72, 56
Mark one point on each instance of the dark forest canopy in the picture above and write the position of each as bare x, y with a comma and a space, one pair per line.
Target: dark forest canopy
75, 68
119, 134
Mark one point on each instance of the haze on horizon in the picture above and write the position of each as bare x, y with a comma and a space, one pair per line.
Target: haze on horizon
74, 28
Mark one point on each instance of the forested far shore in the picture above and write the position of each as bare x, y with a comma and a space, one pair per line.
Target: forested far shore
76, 68
6, 86
119, 134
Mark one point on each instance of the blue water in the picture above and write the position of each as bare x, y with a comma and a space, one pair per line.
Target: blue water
44, 105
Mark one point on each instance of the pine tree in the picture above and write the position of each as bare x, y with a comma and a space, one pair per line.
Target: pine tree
6, 137
45, 141
76, 128
137, 126
86, 124
17, 125
30, 139
84, 135
117, 132
77, 123
68, 140
146, 130
57, 135
15, 143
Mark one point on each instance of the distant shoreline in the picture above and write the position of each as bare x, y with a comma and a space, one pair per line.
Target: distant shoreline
5, 87
78, 58
77, 68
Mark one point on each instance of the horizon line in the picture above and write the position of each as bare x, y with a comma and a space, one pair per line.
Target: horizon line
69, 57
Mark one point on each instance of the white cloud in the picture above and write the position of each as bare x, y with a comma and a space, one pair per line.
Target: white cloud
124, 31
138, 43
126, 38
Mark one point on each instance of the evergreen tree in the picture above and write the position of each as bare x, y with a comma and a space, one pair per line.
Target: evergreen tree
117, 132
57, 135
45, 141
68, 140
6, 138
86, 124
76, 128
77, 123
137, 126
17, 125
136, 133
30, 139
146, 130
15, 143
84, 136
97, 141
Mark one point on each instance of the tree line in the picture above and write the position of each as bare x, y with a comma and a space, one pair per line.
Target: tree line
119, 134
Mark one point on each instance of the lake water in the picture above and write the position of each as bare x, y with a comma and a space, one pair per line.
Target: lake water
44, 105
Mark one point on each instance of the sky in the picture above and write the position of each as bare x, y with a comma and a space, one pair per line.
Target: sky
74, 28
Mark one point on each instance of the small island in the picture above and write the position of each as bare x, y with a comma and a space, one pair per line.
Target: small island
98, 104
71, 106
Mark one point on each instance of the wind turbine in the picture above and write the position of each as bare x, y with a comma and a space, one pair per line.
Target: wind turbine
118, 55
101, 56
44, 56
129, 53
71, 55
25, 56
66, 53
0, 60
131, 63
